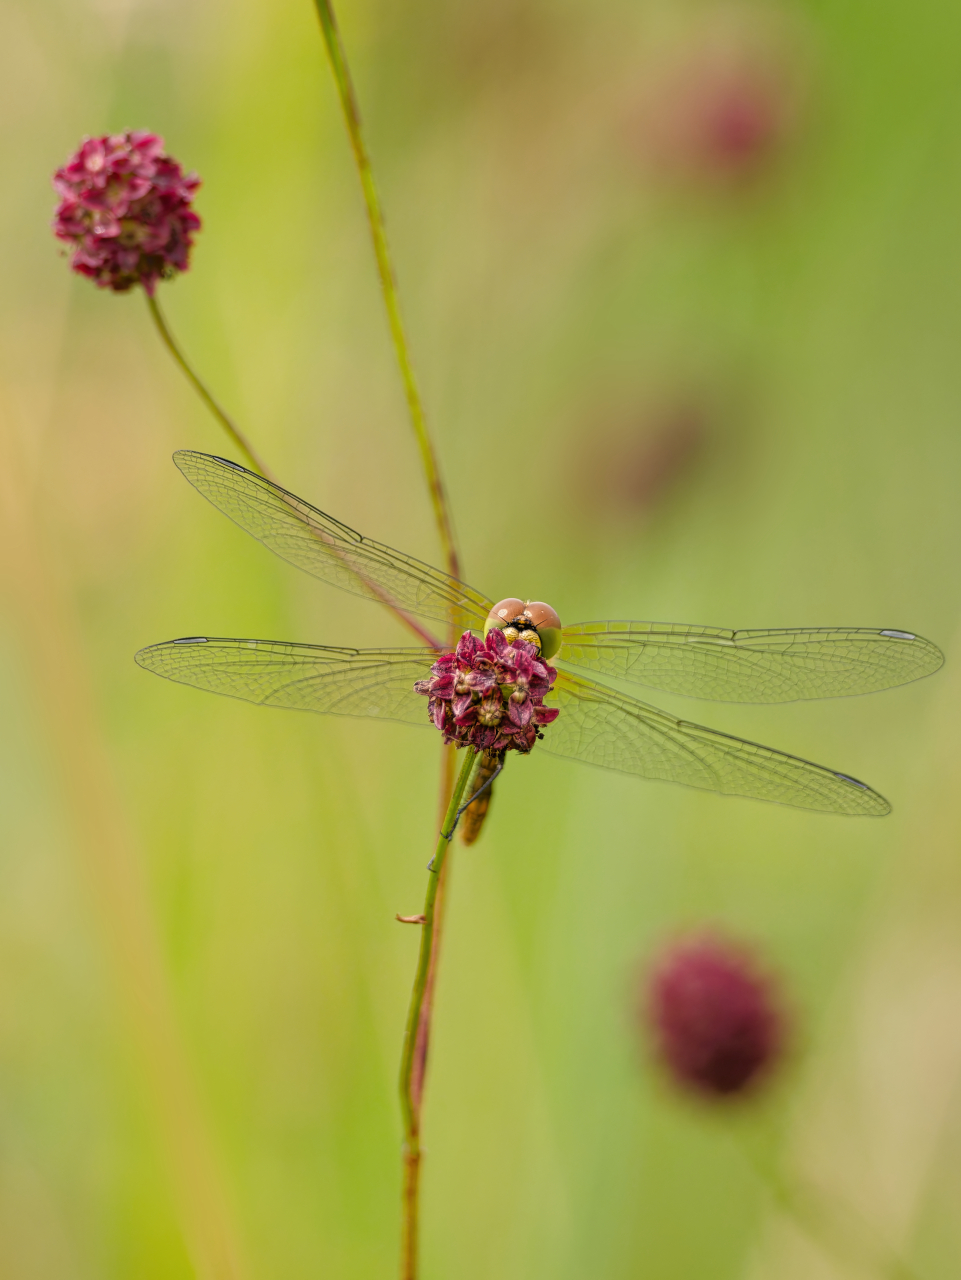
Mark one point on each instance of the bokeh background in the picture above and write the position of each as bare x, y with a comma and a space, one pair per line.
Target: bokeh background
683, 281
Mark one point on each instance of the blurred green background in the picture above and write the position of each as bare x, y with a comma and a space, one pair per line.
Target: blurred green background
683, 282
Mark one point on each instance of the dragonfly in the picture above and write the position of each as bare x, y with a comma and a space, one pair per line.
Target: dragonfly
595, 723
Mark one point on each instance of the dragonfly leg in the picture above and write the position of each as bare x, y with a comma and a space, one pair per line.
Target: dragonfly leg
487, 770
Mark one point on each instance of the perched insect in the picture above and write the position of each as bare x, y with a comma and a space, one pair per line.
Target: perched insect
499, 692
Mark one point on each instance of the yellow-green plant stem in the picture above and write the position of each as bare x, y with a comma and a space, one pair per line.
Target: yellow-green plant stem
233, 431
414, 1058
419, 1017
388, 281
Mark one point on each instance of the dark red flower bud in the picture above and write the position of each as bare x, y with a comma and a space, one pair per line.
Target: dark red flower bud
491, 710
125, 208
489, 693
715, 1016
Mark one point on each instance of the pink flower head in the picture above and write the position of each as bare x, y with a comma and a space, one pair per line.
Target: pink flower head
715, 1016
125, 209
722, 108
489, 693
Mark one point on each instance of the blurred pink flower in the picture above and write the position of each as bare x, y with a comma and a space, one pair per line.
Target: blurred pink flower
489, 693
125, 209
720, 107
720, 120
715, 1016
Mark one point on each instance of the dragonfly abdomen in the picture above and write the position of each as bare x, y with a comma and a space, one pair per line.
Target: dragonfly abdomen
471, 823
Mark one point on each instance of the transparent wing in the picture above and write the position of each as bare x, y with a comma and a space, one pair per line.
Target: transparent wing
327, 549
305, 677
603, 727
751, 666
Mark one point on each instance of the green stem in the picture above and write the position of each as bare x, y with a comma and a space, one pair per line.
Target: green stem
236, 435
388, 280
414, 1059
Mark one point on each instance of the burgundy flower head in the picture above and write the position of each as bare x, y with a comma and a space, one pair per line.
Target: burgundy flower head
125, 209
715, 1016
489, 693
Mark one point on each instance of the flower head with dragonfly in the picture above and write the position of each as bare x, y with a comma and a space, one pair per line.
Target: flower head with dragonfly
496, 691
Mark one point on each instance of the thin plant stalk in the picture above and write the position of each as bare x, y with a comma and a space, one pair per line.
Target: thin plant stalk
388, 281
415, 1039
422, 1042
236, 435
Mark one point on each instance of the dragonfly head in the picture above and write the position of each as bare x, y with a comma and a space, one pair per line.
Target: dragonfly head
528, 620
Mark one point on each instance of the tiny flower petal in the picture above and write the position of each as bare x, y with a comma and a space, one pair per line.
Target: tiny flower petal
482, 682
461, 704
438, 711
467, 647
497, 646
443, 686
546, 715
520, 712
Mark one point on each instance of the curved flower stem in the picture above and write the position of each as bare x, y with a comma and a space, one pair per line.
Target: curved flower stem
388, 281
414, 1059
236, 435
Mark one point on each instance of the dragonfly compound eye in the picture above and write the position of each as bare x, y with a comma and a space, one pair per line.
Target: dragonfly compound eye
547, 624
531, 620
503, 614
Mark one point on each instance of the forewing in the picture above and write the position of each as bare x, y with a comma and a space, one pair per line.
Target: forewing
327, 549
751, 666
601, 726
305, 677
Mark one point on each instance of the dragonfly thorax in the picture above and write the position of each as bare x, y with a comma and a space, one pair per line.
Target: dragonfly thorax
532, 621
